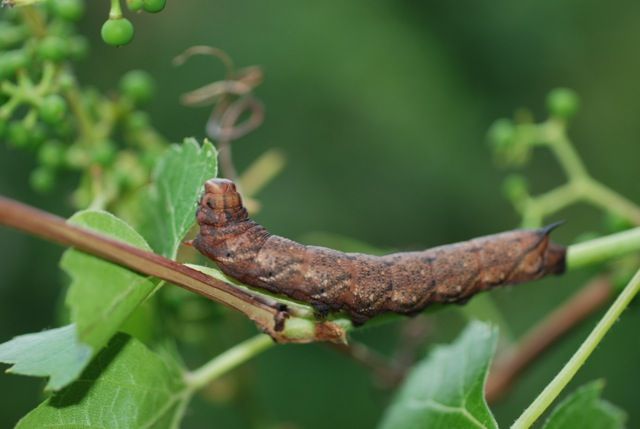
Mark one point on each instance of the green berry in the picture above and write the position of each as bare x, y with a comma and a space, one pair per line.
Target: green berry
502, 133
563, 103
52, 109
137, 121
103, 152
51, 154
42, 179
515, 188
76, 156
53, 48
18, 135
71, 10
117, 31
135, 5
137, 85
11, 35
153, 6
11, 61
66, 81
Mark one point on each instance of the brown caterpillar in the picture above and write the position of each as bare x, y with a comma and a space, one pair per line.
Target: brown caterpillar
364, 285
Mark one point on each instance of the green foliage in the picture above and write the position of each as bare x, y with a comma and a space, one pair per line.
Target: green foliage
103, 295
55, 353
585, 410
125, 386
169, 210
446, 390
101, 298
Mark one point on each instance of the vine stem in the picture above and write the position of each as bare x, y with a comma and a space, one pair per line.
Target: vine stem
559, 382
282, 325
603, 249
579, 187
115, 11
227, 361
511, 362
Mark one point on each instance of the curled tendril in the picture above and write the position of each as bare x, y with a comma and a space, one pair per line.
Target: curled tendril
232, 99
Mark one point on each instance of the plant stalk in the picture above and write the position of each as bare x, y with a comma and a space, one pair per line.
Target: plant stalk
227, 361
559, 382
265, 312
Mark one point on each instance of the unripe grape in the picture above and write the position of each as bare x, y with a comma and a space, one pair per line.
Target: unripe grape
137, 85
52, 109
502, 133
563, 103
71, 10
153, 6
42, 179
117, 31
11, 61
18, 135
53, 48
135, 5
51, 154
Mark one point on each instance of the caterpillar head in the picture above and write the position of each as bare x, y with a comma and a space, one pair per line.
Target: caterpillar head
220, 204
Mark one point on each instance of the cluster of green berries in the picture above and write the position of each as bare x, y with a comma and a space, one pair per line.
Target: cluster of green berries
512, 141
118, 30
44, 111
33, 115
20, 50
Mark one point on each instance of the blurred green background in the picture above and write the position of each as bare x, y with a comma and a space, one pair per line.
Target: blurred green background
381, 109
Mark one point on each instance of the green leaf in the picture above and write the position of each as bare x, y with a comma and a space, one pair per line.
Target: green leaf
101, 298
125, 386
170, 206
446, 390
585, 410
55, 353
103, 295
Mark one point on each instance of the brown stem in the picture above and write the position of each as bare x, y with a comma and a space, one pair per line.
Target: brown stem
269, 316
511, 363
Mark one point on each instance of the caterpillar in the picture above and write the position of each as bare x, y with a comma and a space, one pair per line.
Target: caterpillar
361, 285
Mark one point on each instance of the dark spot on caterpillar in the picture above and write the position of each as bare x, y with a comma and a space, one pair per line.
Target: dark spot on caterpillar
279, 319
322, 310
363, 285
